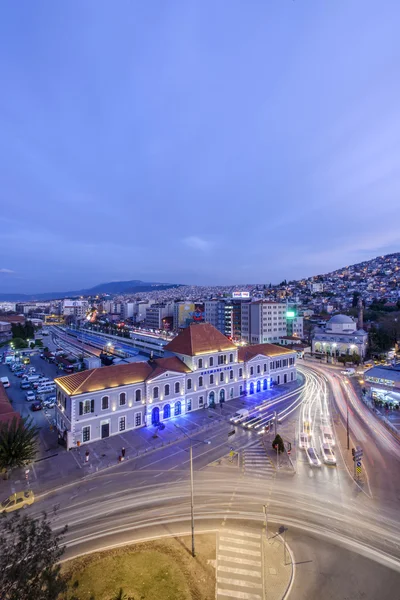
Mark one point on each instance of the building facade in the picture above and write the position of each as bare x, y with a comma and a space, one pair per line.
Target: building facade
263, 322
340, 337
205, 369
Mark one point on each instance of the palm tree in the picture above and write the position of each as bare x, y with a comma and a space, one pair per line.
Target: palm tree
17, 443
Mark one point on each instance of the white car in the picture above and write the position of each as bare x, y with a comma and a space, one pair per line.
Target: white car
328, 455
313, 458
327, 437
30, 396
304, 440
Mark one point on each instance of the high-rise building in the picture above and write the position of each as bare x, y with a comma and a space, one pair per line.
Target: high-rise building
263, 321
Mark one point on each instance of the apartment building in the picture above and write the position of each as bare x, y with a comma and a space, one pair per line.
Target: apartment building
263, 321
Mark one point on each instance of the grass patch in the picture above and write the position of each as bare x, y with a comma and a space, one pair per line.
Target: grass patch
155, 570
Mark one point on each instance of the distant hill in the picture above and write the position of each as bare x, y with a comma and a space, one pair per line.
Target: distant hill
112, 287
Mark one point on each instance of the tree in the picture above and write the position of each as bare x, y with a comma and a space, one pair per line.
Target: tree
278, 441
19, 343
29, 556
17, 443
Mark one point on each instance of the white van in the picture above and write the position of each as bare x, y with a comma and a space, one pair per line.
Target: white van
5, 381
327, 436
241, 414
45, 389
30, 378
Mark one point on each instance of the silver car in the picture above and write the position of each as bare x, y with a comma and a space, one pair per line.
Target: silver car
313, 458
328, 455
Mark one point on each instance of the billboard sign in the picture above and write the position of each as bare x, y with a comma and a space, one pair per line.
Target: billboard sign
240, 294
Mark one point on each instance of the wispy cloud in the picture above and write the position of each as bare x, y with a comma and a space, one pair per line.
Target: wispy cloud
6, 271
198, 243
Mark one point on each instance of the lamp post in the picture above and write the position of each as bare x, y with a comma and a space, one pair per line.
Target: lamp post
191, 480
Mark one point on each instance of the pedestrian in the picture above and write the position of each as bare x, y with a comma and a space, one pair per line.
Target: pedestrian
87, 456
123, 452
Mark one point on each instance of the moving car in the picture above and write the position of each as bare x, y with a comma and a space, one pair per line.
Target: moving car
348, 372
307, 427
17, 500
327, 436
239, 415
304, 440
313, 458
36, 406
328, 455
30, 396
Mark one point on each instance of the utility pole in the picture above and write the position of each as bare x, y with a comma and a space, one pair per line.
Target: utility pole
191, 481
192, 497
347, 421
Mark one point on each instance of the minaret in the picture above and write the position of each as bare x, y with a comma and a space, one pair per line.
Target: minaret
360, 322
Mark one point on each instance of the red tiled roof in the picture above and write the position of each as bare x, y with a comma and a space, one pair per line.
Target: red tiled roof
12, 318
7, 413
104, 377
248, 352
199, 338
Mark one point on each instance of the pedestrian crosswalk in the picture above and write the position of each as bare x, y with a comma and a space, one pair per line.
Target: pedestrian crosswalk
256, 462
239, 565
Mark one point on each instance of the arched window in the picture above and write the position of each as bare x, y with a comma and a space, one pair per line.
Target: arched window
138, 395
240, 372
258, 369
200, 363
177, 408
166, 390
251, 370
211, 361
122, 399
231, 358
155, 393
189, 384
200, 382
221, 376
211, 379
177, 387
231, 374
104, 403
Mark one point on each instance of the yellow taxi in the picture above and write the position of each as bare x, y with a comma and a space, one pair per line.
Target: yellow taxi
17, 500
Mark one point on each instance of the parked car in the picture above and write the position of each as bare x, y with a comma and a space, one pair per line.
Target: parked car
5, 381
328, 455
25, 385
17, 500
19, 373
313, 458
30, 396
48, 403
36, 406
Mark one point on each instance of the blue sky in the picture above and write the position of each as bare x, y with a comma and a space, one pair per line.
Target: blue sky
196, 142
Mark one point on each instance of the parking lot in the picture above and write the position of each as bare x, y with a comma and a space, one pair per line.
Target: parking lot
42, 418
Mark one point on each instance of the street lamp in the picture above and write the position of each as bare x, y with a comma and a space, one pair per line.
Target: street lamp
191, 479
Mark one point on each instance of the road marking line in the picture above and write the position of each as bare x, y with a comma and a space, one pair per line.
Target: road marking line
240, 561
240, 541
244, 533
240, 550
239, 582
238, 571
235, 594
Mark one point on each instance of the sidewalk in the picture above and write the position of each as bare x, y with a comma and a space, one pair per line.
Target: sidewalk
55, 466
277, 567
61, 467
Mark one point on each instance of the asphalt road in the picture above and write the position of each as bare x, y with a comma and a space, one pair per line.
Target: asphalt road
346, 544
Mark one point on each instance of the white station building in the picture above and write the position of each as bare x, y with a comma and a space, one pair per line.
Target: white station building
205, 368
